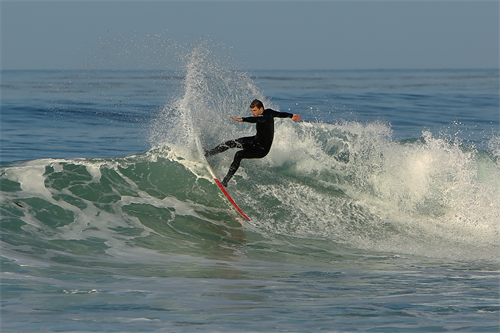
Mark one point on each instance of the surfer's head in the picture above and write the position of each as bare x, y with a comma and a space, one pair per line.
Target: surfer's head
257, 107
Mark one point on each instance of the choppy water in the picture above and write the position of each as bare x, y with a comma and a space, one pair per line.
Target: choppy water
380, 212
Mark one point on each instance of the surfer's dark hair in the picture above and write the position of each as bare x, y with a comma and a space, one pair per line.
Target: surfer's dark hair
256, 103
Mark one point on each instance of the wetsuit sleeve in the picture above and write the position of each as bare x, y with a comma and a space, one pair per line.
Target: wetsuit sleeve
277, 114
254, 120
268, 112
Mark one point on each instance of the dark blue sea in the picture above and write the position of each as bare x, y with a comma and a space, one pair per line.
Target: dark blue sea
378, 213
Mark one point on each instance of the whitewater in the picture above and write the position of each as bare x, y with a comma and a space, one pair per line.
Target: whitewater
380, 212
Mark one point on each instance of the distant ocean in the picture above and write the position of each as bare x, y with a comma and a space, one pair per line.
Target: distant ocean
379, 213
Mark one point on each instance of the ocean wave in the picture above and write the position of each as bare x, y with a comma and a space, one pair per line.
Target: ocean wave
349, 184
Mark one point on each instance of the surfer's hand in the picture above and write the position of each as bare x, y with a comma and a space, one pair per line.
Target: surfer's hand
296, 117
237, 119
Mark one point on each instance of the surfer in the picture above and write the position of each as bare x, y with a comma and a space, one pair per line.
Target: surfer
256, 146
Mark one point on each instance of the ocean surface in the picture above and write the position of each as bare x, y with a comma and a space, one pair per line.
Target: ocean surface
378, 213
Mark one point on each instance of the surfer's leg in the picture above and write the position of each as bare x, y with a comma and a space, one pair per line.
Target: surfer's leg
238, 143
246, 153
234, 166
221, 148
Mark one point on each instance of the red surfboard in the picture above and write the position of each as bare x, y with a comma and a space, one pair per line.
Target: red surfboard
238, 209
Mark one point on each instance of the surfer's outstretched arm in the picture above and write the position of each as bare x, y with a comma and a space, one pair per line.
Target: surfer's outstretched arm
295, 117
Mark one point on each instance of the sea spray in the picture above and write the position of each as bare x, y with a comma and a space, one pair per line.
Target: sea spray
211, 93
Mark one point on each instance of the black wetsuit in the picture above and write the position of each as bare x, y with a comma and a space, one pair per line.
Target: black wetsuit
256, 146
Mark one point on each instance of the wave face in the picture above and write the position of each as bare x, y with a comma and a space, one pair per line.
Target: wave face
99, 207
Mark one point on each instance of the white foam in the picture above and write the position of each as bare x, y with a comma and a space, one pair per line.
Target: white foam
425, 198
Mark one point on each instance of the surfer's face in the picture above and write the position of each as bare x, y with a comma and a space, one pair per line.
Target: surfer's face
256, 111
